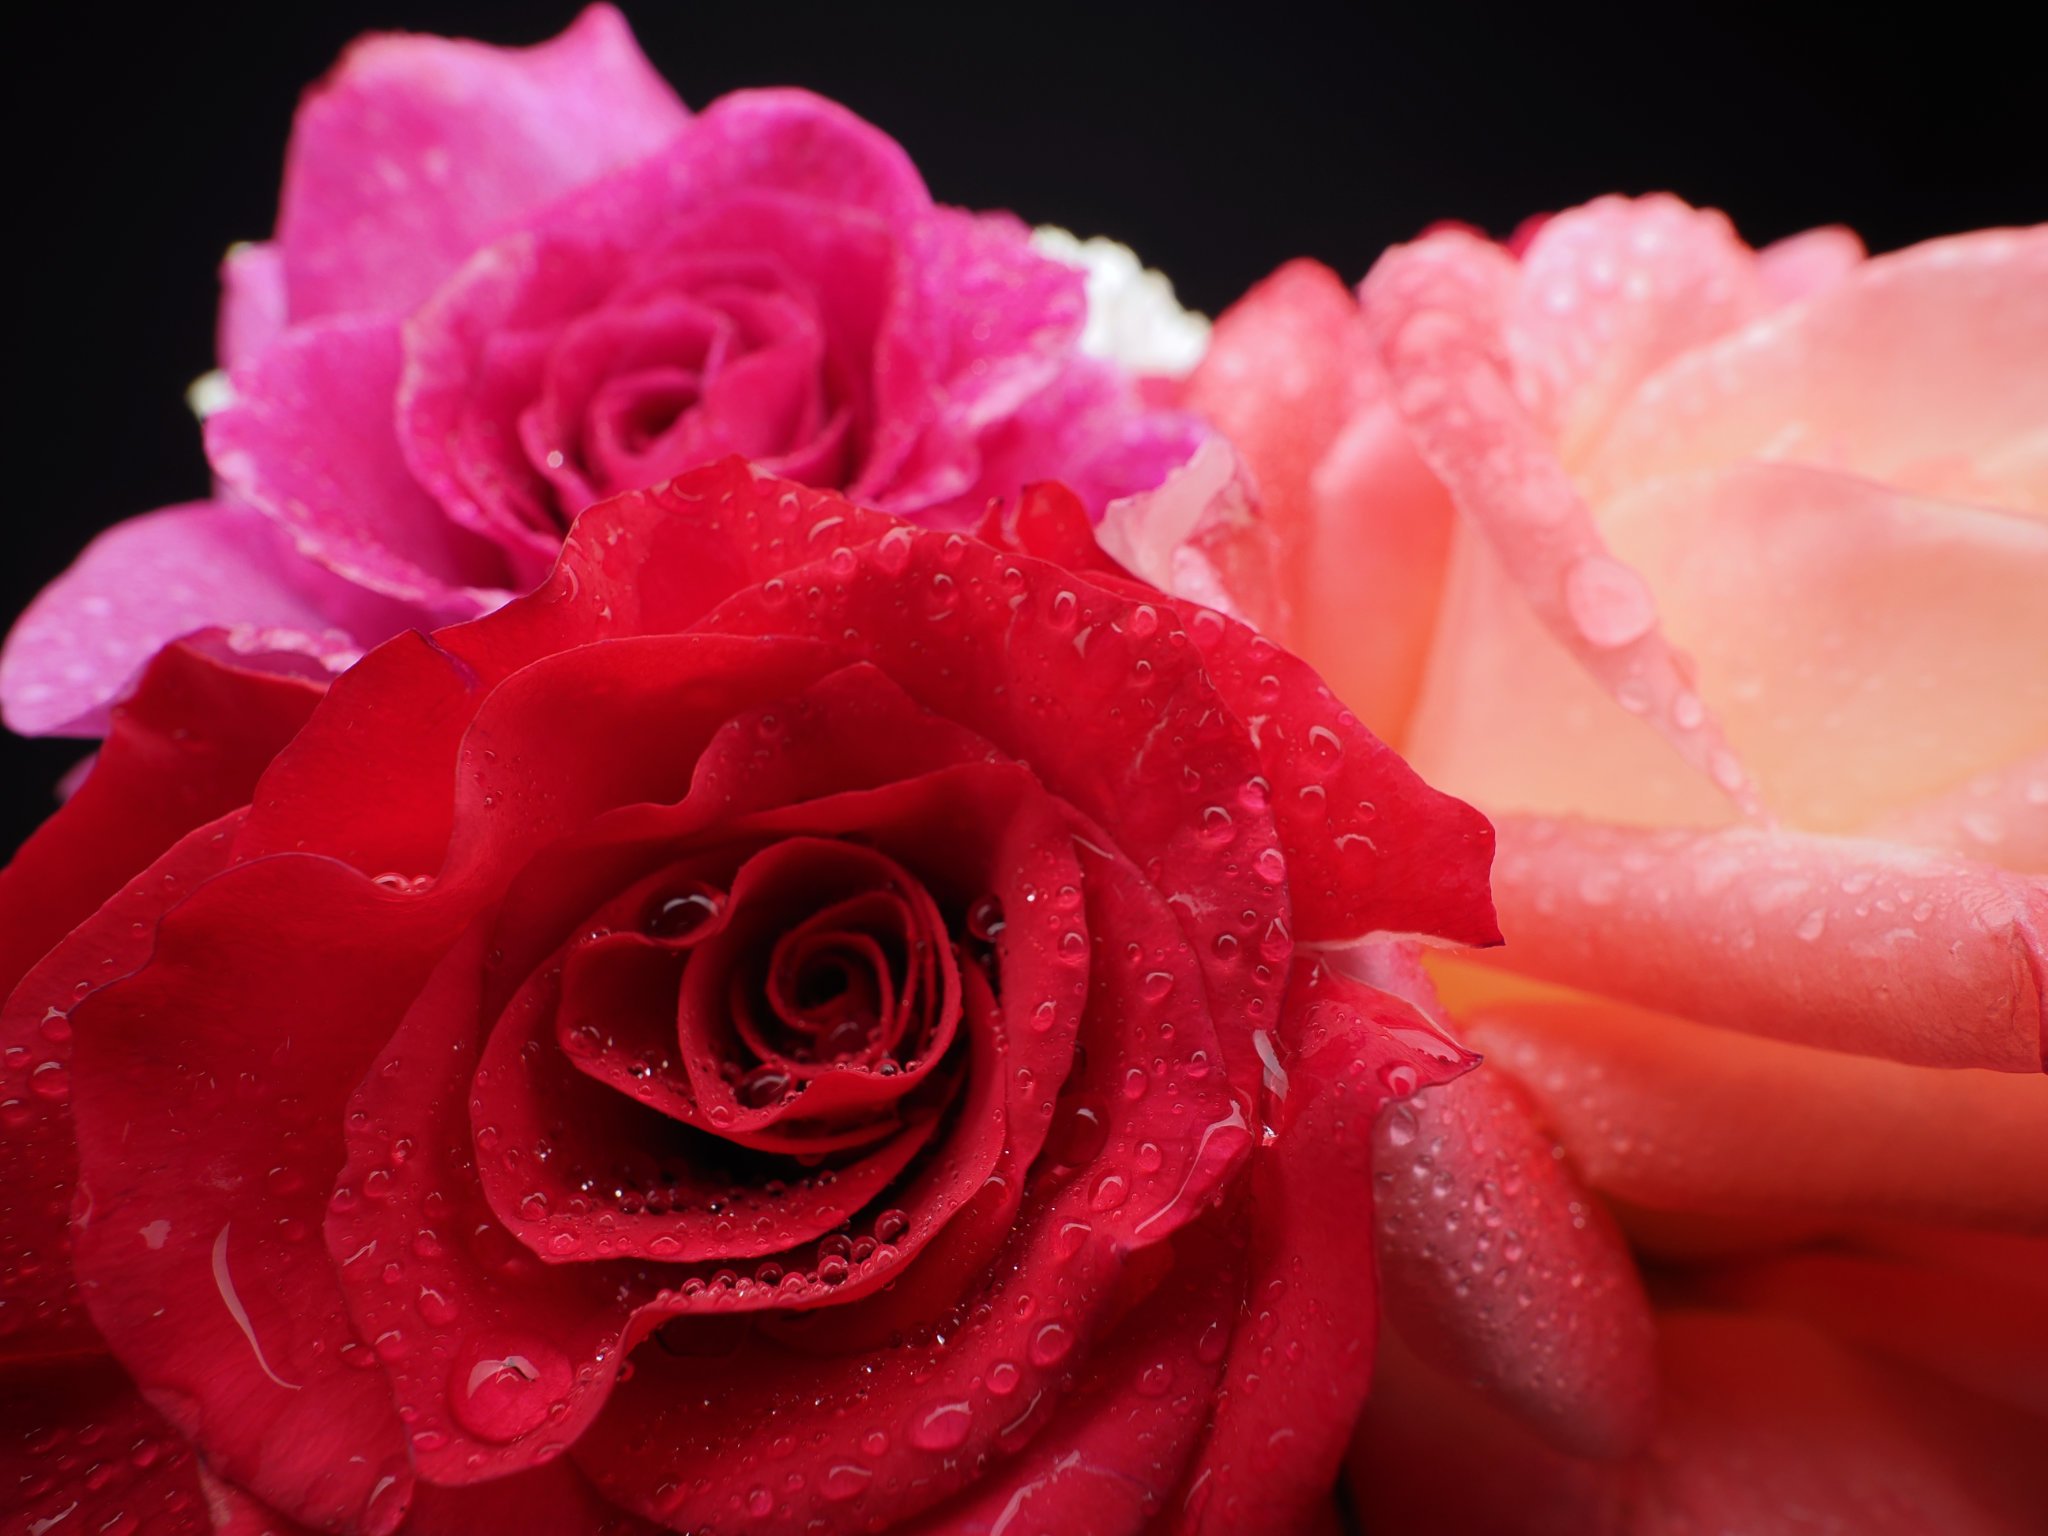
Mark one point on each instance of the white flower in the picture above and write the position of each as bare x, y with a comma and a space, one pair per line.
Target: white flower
1133, 317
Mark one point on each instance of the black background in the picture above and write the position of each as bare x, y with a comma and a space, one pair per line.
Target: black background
1217, 142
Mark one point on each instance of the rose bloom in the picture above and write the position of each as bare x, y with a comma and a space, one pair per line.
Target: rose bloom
800, 1024
507, 283
1719, 579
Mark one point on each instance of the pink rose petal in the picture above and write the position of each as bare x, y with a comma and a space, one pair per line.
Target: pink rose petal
140, 585
1611, 290
1500, 1266
417, 150
254, 308
308, 441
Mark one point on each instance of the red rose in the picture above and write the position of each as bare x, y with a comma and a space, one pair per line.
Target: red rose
797, 1025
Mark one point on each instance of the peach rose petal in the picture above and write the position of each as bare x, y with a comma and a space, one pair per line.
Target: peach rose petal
1431, 1454
1767, 1427
2000, 817
1198, 535
1988, 1333
1863, 647
1849, 945
1367, 598
1508, 719
1771, 1427
1437, 311
1498, 1266
1802, 265
1914, 369
1681, 1116
1612, 290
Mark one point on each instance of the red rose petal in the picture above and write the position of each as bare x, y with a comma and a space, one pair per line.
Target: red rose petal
40, 1309
81, 1451
554, 1498
237, 1058
530, 1096
1104, 697
492, 1356
1300, 1358
1369, 846
184, 749
1145, 1136
1107, 1463
363, 781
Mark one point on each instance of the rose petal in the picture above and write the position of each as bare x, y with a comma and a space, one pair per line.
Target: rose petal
185, 748
211, 1291
140, 585
1107, 1462
1361, 527
254, 307
1509, 720
1501, 1268
1766, 1427
41, 1312
81, 1451
1862, 647
1198, 535
308, 441
1301, 1357
1808, 263
2000, 817
479, 1335
1683, 1116
1611, 290
1848, 945
1439, 312
416, 150
1917, 369
1987, 1333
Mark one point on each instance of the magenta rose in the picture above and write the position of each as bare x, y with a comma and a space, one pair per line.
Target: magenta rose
506, 284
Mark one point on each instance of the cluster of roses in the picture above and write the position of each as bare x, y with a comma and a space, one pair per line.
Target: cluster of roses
715, 898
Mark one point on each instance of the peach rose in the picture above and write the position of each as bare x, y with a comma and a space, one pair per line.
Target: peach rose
1719, 579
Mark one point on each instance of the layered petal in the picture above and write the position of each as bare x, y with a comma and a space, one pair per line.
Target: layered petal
141, 585
1765, 1426
184, 749
308, 440
1301, 1357
81, 1451
1680, 1116
214, 1292
1847, 945
1925, 369
1502, 1269
1863, 647
417, 150
1440, 314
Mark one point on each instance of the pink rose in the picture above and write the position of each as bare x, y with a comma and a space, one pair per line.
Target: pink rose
508, 283
1719, 579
